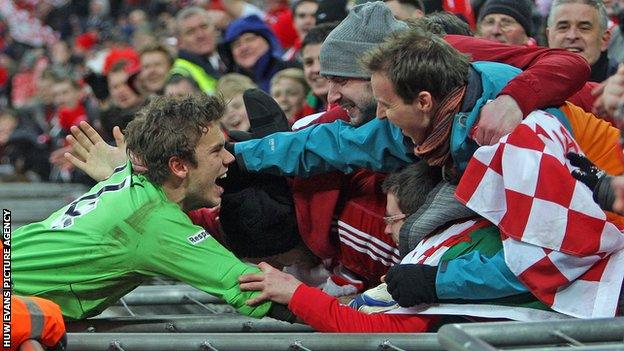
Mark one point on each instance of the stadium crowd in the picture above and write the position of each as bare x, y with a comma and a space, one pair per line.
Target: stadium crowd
357, 166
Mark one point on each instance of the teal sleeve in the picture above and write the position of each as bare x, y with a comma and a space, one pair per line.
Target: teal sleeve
474, 276
377, 145
176, 248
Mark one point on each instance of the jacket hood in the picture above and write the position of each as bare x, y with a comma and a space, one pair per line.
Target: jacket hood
251, 24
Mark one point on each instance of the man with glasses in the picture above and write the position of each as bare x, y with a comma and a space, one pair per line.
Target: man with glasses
506, 21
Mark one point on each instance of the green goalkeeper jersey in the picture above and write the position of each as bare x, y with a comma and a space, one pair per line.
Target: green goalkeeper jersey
95, 250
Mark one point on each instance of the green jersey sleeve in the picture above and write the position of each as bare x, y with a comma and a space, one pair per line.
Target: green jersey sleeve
173, 246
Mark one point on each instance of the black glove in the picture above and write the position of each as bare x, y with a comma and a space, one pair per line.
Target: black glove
587, 173
595, 178
412, 284
282, 313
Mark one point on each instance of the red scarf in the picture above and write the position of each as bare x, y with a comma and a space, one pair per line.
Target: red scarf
436, 149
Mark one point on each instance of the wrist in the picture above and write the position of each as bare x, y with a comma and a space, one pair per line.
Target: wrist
603, 194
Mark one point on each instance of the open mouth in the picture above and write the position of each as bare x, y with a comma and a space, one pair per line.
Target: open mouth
220, 181
574, 49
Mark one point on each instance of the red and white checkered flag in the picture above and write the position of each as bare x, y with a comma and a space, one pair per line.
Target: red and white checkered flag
557, 240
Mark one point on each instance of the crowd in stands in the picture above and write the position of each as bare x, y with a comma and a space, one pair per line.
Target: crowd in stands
424, 161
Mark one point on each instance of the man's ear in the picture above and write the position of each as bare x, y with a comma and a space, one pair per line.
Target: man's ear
424, 101
605, 40
178, 167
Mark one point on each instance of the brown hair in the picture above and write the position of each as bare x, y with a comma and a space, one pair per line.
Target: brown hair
415, 61
169, 127
411, 185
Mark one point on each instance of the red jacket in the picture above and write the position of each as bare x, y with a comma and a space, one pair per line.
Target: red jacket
325, 314
561, 73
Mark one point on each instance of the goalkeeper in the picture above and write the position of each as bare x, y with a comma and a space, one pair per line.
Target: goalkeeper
131, 227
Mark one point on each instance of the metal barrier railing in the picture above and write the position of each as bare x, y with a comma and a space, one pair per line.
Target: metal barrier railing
256, 342
168, 295
227, 323
577, 334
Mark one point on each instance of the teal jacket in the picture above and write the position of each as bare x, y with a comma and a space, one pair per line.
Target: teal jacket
377, 145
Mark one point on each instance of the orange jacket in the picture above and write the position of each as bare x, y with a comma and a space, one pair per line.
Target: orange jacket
600, 142
35, 318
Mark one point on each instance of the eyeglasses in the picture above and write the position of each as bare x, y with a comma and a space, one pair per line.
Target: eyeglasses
390, 220
504, 24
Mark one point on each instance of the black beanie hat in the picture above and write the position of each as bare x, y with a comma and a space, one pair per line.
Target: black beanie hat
520, 10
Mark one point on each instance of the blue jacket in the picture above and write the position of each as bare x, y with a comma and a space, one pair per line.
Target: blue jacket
267, 65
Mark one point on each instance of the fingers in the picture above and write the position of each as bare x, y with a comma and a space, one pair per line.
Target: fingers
265, 267
579, 175
598, 107
252, 286
81, 137
578, 160
91, 133
74, 160
120, 140
254, 277
76, 148
257, 300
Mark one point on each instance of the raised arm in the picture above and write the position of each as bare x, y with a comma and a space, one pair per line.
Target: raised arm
90, 153
377, 145
550, 75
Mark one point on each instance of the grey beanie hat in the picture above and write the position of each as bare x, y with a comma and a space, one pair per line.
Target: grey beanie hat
366, 26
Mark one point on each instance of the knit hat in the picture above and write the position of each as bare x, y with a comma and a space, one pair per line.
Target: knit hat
520, 10
365, 27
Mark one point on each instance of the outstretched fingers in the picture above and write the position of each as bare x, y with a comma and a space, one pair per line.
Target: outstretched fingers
120, 140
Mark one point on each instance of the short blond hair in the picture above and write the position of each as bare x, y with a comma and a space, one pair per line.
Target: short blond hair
295, 74
233, 84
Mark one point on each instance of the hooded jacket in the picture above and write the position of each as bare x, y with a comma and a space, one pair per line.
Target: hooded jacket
267, 65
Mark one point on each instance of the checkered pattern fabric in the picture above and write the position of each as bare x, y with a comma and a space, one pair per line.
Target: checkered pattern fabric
430, 250
557, 240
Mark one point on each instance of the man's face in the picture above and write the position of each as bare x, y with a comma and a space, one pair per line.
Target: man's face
154, 69
197, 35
65, 95
412, 118
394, 217
289, 94
311, 69
212, 163
248, 48
502, 28
305, 18
120, 91
235, 117
576, 28
355, 96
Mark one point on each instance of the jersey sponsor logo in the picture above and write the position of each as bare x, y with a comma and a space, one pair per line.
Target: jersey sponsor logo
195, 239
85, 204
